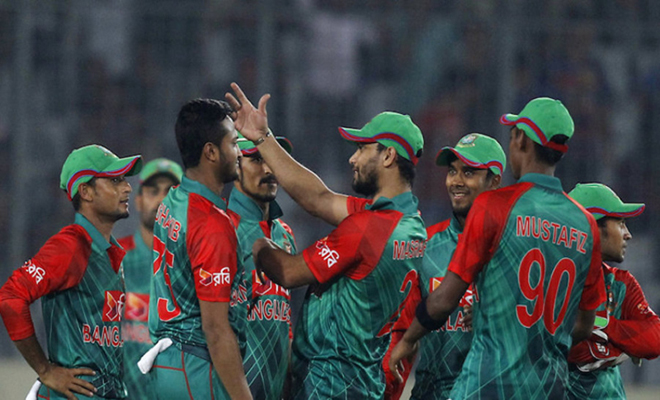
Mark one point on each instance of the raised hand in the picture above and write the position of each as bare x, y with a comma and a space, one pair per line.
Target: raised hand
64, 381
251, 122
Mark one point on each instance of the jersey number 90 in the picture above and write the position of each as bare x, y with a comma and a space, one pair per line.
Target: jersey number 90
544, 299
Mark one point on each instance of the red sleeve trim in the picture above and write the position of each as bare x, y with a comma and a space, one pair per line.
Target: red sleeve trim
437, 228
354, 247
211, 243
594, 293
59, 265
483, 229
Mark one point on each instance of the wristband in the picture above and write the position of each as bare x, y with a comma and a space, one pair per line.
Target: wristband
425, 319
263, 138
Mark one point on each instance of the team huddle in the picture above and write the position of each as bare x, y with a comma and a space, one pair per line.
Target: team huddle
511, 297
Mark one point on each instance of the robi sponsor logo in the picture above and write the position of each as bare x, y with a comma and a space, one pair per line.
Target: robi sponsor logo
455, 323
37, 273
113, 308
329, 256
216, 278
137, 307
261, 288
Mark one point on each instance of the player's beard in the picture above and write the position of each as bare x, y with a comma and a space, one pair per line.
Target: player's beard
229, 171
366, 183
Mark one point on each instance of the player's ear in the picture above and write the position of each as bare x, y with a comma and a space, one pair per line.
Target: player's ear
495, 182
86, 191
210, 152
390, 157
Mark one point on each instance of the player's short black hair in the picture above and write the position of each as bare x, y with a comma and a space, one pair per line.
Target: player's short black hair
547, 155
198, 123
76, 199
406, 167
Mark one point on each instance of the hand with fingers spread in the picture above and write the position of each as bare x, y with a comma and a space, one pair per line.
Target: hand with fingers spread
251, 122
65, 381
405, 349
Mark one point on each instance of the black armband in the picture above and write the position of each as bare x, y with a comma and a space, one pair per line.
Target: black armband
425, 319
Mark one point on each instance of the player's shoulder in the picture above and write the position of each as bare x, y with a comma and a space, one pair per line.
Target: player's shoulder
127, 242
620, 275
70, 238
204, 213
505, 194
437, 228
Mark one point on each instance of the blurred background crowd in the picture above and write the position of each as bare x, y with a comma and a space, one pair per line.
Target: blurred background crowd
116, 72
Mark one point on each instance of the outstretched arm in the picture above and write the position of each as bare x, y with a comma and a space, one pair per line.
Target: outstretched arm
288, 271
303, 185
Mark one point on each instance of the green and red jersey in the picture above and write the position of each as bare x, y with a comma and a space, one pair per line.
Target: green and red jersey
365, 269
138, 268
77, 274
195, 258
268, 328
441, 352
534, 256
625, 326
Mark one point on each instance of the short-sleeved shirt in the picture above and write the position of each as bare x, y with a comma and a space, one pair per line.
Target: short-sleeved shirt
138, 268
365, 269
195, 258
632, 329
77, 274
443, 351
268, 311
534, 256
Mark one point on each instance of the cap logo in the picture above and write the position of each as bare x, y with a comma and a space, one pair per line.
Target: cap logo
468, 140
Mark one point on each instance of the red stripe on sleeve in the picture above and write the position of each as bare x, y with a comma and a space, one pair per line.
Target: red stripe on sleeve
437, 228
637, 333
594, 293
354, 247
59, 265
483, 229
211, 243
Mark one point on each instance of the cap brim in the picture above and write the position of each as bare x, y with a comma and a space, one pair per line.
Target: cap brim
509, 119
127, 166
249, 148
355, 135
443, 155
626, 210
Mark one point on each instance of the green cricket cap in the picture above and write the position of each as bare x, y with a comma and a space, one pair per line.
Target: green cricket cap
541, 120
94, 161
161, 166
248, 148
601, 201
477, 151
390, 129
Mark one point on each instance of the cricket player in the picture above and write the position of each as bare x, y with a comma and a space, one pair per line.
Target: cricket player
361, 273
268, 328
155, 180
533, 255
474, 166
625, 324
77, 273
197, 287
